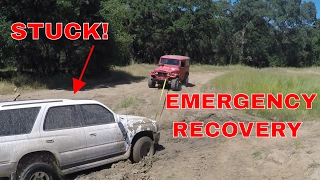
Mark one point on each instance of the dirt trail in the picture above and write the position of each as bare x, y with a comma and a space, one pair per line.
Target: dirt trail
208, 159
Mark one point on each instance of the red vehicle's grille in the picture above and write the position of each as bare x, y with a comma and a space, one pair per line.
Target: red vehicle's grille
162, 74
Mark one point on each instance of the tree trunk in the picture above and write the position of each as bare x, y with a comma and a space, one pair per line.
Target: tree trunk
243, 32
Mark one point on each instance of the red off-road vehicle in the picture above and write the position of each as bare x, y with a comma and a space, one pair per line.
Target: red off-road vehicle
173, 68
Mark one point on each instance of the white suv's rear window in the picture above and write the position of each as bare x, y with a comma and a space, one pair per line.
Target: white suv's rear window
18, 121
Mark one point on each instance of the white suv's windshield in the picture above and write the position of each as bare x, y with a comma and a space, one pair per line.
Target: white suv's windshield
170, 61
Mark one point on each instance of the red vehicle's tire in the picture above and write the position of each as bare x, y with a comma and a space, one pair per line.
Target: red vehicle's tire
186, 80
151, 83
175, 84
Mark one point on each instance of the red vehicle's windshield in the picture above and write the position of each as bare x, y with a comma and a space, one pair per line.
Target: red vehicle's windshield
169, 61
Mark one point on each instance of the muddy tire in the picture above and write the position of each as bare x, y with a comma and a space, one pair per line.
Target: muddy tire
186, 80
143, 147
175, 84
151, 83
39, 170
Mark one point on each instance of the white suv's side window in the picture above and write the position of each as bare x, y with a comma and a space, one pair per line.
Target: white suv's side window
62, 117
96, 115
18, 121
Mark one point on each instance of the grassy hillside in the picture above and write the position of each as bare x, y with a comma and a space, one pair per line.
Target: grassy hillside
272, 80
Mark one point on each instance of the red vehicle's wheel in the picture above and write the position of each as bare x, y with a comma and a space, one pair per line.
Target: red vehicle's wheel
175, 84
186, 80
151, 83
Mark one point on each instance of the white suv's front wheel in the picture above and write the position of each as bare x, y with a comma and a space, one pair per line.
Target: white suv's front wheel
143, 147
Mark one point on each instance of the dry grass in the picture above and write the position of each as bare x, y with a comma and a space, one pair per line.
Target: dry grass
272, 80
6, 88
136, 69
133, 72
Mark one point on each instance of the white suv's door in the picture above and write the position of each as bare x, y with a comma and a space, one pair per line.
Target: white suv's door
62, 133
104, 137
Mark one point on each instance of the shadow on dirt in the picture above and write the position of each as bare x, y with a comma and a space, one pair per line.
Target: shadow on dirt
159, 147
86, 172
168, 86
64, 82
190, 85
73, 176
116, 77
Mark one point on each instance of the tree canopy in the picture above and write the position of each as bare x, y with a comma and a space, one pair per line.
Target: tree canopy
259, 33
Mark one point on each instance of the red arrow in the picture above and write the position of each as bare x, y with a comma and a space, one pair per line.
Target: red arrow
78, 83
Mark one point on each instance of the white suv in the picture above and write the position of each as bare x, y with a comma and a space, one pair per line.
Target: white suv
47, 139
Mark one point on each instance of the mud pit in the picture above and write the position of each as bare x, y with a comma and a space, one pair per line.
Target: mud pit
208, 159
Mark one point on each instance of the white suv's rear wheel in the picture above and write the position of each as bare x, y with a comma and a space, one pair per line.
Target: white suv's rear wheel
38, 171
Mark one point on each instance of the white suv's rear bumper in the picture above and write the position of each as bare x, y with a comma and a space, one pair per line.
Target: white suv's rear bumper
6, 169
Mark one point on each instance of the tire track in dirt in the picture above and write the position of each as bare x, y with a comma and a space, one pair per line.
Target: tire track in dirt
218, 158
204, 158
173, 147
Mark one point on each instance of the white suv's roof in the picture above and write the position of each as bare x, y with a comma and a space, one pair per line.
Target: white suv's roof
43, 102
28, 102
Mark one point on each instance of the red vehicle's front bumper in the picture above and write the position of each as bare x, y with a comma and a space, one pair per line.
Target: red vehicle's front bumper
162, 78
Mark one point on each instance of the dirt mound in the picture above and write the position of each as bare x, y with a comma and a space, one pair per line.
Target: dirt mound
124, 170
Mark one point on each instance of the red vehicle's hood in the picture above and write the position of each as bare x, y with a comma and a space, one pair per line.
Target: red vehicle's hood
166, 68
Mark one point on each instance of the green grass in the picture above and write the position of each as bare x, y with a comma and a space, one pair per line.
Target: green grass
298, 145
127, 102
256, 154
314, 165
272, 80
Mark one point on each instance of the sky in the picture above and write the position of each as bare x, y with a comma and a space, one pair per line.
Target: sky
317, 2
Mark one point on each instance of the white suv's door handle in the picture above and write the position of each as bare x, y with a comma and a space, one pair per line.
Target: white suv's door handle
93, 134
50, 141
